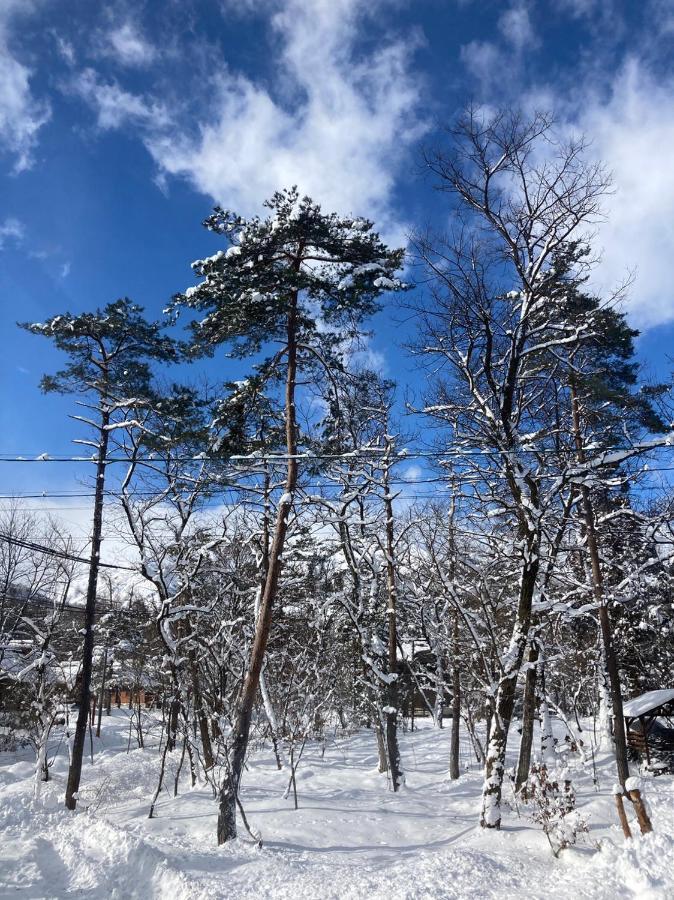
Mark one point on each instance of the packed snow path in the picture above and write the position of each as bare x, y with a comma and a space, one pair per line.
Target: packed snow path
350, 838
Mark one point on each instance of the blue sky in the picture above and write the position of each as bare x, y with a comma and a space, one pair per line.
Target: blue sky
122, 123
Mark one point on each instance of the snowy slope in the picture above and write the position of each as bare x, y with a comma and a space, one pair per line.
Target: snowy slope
350, 838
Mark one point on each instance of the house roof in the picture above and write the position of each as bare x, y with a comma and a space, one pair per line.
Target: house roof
639, 706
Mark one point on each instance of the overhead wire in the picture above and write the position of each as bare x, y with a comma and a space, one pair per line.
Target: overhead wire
59, 554
471, 479
364, 452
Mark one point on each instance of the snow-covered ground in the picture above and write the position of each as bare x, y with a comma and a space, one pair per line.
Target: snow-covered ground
350, 838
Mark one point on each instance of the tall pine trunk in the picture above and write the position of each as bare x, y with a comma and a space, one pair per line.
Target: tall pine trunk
75, 770
264, 568
619, 738
226, 829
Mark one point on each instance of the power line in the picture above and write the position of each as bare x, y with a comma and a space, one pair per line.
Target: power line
402, 482
363, 453
58, 605
64, 495
59, 554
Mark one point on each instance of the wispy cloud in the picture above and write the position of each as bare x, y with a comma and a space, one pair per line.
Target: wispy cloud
627, 112
516, 26
11, 229
21, 114
488, 60
338, 122
116, 107
633, 132
127, 45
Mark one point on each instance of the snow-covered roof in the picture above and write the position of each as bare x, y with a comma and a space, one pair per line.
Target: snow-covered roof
639, 706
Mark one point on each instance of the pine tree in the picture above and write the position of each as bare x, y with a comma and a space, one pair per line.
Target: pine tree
606, 411
109, 352
304, 280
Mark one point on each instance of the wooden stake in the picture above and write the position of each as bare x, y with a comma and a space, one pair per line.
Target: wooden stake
622, 815
640, 809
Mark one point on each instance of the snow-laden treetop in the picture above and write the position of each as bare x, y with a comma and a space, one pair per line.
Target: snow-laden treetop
333, 268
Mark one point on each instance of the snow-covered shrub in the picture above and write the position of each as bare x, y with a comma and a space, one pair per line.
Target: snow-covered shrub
553, 806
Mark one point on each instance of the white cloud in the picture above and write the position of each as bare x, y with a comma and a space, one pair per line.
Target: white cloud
627, 112
11, 228
116, 107
65, 49
586, 8
628, 120
127, 45
21, 115
366, 357
633, 132
64, 271
413, 472
340, 134
515, 26
339, 122
488, 61
484, 60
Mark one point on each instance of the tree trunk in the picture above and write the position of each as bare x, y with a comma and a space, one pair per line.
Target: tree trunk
202, 718
528, 717
229, 791
438, 706
604, 691
100, 699
505, 696
141, 742
619, 738
266, 699
622, 815
456, 705
547, 739
75, 770
392, 746
381, 748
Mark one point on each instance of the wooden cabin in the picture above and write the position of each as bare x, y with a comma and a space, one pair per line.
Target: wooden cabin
119, 694
416, 695
649, 725
124, 695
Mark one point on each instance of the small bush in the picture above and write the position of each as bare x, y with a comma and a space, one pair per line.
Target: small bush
553, 806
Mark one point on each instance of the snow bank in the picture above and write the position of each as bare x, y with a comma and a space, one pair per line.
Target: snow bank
351, 837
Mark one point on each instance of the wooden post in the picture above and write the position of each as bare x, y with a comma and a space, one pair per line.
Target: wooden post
622, 815
632, 786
